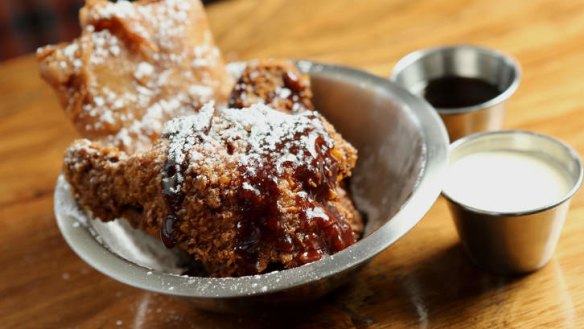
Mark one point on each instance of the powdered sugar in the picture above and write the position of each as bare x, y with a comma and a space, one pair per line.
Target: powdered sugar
316, 212
284, 92
254, 134
105, 45
144, 69
160, 267
201, 91
158, 63
120, 9
182, 134
70, 50
277, 134
118, 236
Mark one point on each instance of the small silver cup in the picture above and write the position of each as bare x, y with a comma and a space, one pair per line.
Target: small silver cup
513, 242
417, 69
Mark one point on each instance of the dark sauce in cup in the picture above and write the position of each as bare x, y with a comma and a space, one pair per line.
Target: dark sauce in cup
452, 92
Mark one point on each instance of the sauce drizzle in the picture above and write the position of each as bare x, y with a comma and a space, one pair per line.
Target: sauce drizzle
263, 223
182, 135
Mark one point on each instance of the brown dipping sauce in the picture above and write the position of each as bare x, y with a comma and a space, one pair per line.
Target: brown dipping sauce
452, 92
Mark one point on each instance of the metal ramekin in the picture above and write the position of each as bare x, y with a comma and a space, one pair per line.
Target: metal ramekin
513, 242
416, 69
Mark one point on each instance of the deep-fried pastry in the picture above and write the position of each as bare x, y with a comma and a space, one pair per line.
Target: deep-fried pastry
277, 83
135, 66
242, 191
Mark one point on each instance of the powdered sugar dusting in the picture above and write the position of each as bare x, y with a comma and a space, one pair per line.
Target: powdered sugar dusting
316, 212
255, 137
280, 135
144, 69
105, 45
136, 75
259, 131
182, 135
118, 236
160, 265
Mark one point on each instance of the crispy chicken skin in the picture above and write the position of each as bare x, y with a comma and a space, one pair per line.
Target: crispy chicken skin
242, 191
277, 83
134, 67
281, 85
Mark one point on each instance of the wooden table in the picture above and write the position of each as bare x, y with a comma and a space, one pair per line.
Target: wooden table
423, 280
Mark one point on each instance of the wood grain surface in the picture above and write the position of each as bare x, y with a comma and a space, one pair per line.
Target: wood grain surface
424, 280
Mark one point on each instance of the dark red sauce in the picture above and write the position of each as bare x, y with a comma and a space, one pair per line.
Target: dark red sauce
173, 198
173, 176
260, 223
292, 82
455, 92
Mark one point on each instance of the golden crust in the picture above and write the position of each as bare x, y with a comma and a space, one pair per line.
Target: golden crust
135, 66
277, 83
216, 199
241, 191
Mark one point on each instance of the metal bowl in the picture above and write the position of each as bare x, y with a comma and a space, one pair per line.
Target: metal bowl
402, 146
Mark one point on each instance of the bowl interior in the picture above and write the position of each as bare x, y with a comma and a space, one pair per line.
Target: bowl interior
402, 148
388, 137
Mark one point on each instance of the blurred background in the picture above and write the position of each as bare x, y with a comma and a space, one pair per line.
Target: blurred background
26, 25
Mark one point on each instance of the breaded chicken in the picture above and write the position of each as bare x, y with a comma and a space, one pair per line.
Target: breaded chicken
135, 66
242, 191
281, 85
277, 83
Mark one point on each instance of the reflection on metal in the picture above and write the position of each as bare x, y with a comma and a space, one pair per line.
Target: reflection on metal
140, 317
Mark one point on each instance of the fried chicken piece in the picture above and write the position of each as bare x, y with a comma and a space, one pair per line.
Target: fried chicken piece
280, 84
134, 67
277, 83
242, 191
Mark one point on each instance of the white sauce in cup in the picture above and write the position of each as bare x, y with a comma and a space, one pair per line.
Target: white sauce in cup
506, 181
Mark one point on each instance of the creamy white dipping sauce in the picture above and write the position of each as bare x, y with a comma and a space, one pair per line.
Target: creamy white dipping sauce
506, 181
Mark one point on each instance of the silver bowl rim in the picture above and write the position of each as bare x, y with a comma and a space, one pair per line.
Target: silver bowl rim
416, 55
425, 193
530, 134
